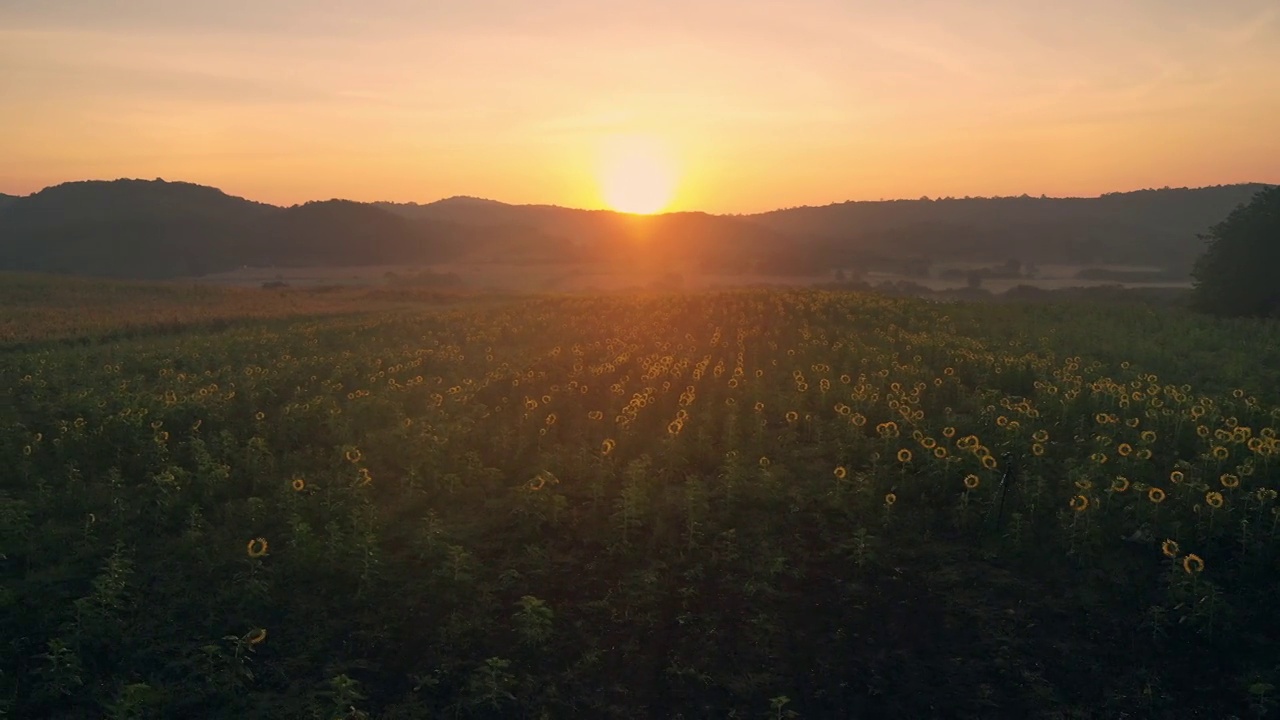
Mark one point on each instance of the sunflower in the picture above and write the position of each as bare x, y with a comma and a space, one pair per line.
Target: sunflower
1155, 495
1220, 453
759, 407
1037, 449
353, 455
256, 636
1079, 503
948, 432
1040, 436
972, 481
1229, 481
674, 427
841, 472
1124, 449
1213, 499
988, 462
1099, 458
1148, 436
904, 455
940, 452
890, 499
1192, 564
257, 547
764, 462
928, 443
1169, 548
299, 484
1120, 484
792, 416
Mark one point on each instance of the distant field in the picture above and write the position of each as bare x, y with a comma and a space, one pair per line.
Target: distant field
45, 307
559, 277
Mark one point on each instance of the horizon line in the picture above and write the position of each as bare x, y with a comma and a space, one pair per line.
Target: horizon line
476, 198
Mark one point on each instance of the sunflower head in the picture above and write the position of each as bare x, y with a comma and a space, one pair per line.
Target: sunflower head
257, 547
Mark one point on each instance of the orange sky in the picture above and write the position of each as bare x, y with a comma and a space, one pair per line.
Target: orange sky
757, 103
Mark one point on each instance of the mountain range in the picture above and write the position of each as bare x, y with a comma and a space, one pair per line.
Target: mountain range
159, 229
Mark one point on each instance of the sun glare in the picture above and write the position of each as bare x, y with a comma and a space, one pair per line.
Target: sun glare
637, 174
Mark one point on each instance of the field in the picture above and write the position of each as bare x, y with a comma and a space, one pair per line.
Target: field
586, 277
751, 504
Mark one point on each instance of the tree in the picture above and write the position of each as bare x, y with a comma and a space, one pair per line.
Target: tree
1236, 275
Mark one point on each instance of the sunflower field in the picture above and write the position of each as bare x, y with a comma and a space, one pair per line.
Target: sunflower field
750, 504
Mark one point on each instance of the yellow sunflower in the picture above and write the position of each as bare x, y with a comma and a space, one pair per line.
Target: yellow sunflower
257, 547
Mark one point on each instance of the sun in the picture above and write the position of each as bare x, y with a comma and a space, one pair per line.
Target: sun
637, 174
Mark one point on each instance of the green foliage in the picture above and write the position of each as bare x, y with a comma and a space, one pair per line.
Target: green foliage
1237, 274
746, 504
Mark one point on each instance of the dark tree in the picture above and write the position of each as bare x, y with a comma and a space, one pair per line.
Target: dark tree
1239, 272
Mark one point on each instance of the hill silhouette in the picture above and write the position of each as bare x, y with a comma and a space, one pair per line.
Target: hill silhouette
159, 229
1146, 227
342, 232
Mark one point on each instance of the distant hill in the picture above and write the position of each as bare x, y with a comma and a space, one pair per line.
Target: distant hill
158, 229
1148, 227
126, 228
341, 232
691, 240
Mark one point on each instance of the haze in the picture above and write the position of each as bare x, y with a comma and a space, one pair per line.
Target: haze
756, 104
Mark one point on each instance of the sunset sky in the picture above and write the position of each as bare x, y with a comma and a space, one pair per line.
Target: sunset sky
751, 104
